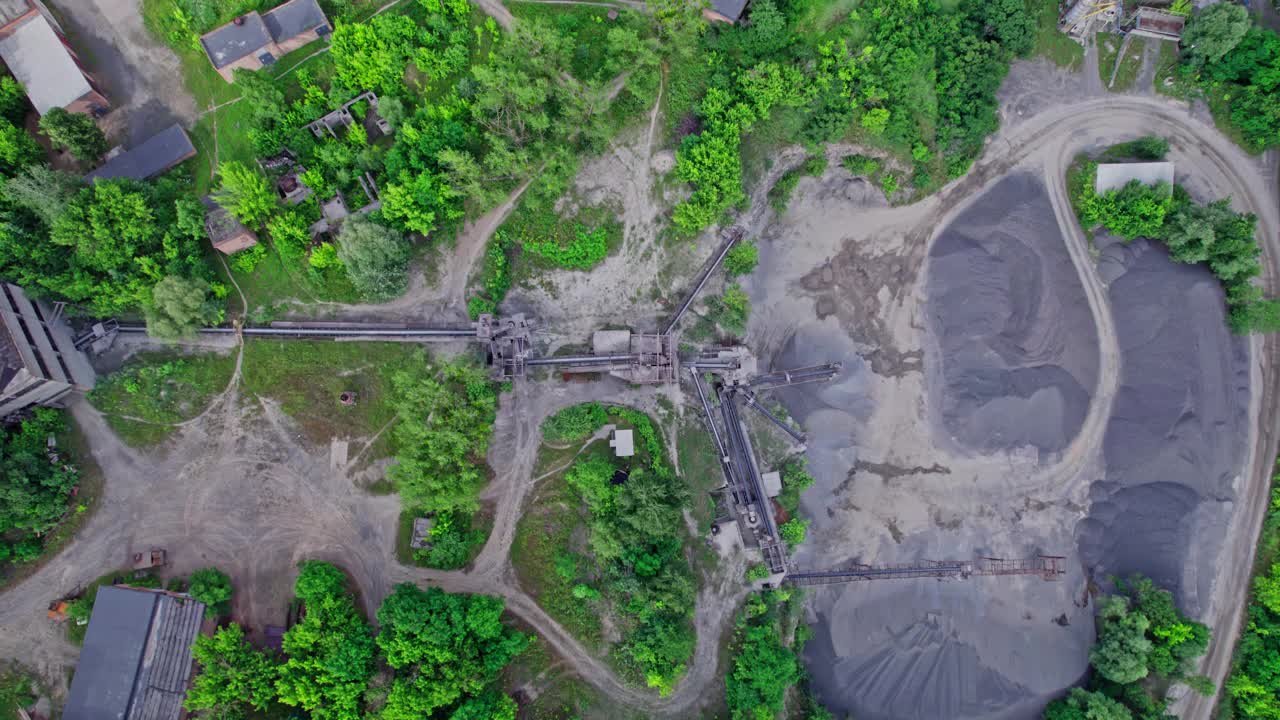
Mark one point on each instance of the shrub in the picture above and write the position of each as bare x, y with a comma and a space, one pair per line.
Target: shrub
212, 587
861, 165
757, 572
575, 423
246, 261
742, 259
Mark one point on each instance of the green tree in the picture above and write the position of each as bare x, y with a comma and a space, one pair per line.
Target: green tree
1214, 32
763, 669
212, 587
33, 490
76, 132
331, 653
318, 580
445, 421
178, 307
376, 258
17, 149
793, 531
43, 191
446, 649
742, 259
1008, 22
1120, 654
234, 678
13, 100
244, 193
1081, 704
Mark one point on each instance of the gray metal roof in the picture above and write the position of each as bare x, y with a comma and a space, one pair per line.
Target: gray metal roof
155, 155
136, 659
231, 42
38, 59
731, 9
294, 18
1113, 176
12, 9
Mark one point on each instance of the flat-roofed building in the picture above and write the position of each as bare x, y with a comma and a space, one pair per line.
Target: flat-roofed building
38, 55
1113, 176
39, 364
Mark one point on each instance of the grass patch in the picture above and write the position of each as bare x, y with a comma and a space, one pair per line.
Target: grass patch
1166, 81
18, 689
274, 283
1130, 65
154, 391
1052, 43
1108, 46
547, 689
306, 378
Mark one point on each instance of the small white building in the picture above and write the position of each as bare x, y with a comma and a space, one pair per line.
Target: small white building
623, 443
772, 483
1113, 176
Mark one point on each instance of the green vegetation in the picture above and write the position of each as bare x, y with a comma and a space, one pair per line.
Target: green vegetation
766, 644
742, 258
1211, 234
589, 549
1144, 643
1253, 688
1232, 65
1052, 43
731, 310
36, 485
75, 132
17, 690
144, 400
212, 587
1130, 64
780, 193
914, 78
444, 653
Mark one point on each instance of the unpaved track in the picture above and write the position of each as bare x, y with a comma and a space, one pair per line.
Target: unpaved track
191, 497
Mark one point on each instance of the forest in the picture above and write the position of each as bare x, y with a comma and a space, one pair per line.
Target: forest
434, 655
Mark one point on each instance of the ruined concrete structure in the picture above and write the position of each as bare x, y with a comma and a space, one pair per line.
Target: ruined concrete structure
39, 364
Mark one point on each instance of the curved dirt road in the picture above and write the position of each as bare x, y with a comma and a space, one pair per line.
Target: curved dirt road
308, 510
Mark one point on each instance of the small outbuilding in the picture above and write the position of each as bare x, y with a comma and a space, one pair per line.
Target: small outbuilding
1113, 176
726, 11
623, 443
154, 156
227, 234
772, 483
136, 662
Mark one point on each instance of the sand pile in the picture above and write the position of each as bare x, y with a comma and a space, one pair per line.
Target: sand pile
1015, 341
1178, 428
938, 650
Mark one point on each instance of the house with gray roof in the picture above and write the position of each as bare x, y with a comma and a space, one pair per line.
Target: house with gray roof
136, 662
39, 56
253, 41
152, 157
726, 11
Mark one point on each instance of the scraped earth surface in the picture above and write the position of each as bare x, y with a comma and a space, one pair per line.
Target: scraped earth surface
1018, 348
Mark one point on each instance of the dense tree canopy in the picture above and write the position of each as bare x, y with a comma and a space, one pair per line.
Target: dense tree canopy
376, 258
233, 678
76, 132
33, 488
446, 650
1214, 32
212, 587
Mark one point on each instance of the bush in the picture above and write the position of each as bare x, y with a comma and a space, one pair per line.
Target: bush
246, 261
793, 531
212, 587
861, 165
757, 572
585, 251
731, 310
742, 258
574, 423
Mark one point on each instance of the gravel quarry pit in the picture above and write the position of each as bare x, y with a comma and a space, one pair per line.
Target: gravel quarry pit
1007, 390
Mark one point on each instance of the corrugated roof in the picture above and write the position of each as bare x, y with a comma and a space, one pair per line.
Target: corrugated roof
231, 42
161, 684
10, 10
155, 155
136, 660
294, 18
38, 59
